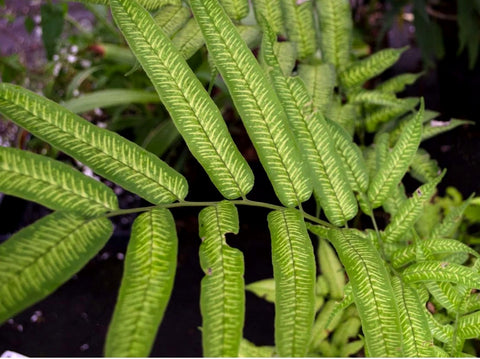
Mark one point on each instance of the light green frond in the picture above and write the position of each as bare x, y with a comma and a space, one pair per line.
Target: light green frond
417, 339
109, 98
331, 268
423, 167
286, 53
222, 296
409, 212
352, 157
395, 200
398, 83
345, 115
236, 9
439, 352
443, 333
188, 40
38, 259
107, 153
451, 221
264, 289
52, 183
468, 326
312, 133
438, 271
335, 22
298, 19
346, 330
434, 128
147, 282
294, 273
147, 4
271, 11
194, 113
472, 303
340, 306
446, 294
361, 71
372, 291
171, 18
431, 247
396, 164
401, 123
256, 102
385, 114
250, 350
325, 323
320, 80
375, 97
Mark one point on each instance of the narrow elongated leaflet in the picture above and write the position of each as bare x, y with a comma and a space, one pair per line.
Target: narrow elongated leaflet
298, 19
335, 22
438, 271
256, 102
469, 326
147, 4
52, 183
147, 282
271, 11
107, 153
172, 18
314, 138
396, 163
451, 221
320, 80
38, 259
372, 292
236, 9
194, 113
222, 297
331, 268
398, 83
417, 340
294, 273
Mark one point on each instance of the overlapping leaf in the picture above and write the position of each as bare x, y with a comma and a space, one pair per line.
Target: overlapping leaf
147, 4
52, 183
107, 153
172, 18
320, 80
256, 102
222, 298
294, 273
271, 11
147, 282
438, 271
38, 259
398, 83
236, 9
195, 115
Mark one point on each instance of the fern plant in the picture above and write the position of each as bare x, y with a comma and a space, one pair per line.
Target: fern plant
302, 101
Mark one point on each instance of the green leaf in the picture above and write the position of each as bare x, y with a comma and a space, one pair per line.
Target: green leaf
147, 4
171, 18
409, 212
326, 322
271, 12
222, 296
375, 97
434, 127
188, 40
52, 26
331, 268
109, 98
438, 271
361, 71
423, 168
256, 102
264, 289
194, 113
38, 259
298, 19
468, 326
372, 291
385, 114
250, 350
417, 339
294, 273
53, 184
107, 153
396, 163
398, 83
335, 21
451, 221
320, 81
236, 9
147, 282
312, 133
446, 294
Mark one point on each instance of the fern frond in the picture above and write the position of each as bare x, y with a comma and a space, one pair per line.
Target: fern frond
271, 12
52, 183
434, 128
438, 271
107, 153
331, 268
372, 291
236, 9
264, 289
451, 221
194, 113
443, 333
375, 97
345, 115
172, 18
398, 83
423, 168
294, 273
222, 296
147, 4
147, 282
325, 323
417, 339
396, 164
39, 258
298, 19
188, 40
256, 102
286, 53
409, 212
361, 71
446, 294
386, 114
335, 22
250, 350
320, 80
